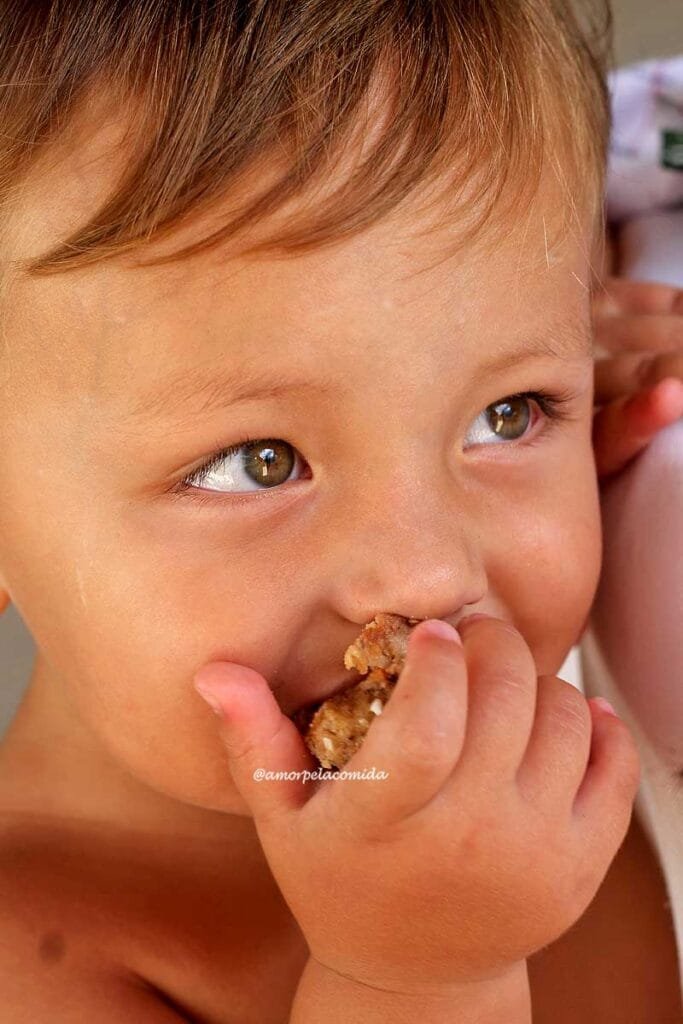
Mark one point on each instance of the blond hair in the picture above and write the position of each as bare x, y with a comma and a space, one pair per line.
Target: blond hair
480, 89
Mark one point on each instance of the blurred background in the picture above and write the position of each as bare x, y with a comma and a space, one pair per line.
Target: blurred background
643, 29
647, 28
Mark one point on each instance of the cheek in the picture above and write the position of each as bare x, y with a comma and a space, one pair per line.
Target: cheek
123, 626
547, 571
147, 711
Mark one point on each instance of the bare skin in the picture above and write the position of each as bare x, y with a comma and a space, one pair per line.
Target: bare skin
129, 592
165, 906
618, 962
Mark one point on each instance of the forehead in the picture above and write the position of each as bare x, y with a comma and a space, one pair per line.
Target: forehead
123, 326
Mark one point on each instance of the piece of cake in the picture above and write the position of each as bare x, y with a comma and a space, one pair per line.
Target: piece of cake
336, 728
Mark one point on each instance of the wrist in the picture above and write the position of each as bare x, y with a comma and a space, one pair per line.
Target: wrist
324, 994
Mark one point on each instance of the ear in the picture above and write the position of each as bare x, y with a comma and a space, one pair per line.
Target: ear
4, 599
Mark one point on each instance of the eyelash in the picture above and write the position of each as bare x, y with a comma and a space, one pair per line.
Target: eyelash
551, 403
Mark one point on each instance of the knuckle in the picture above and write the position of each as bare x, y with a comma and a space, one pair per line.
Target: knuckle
243, 750
239, 750
423, 750
511, 665
569, 708
508, 676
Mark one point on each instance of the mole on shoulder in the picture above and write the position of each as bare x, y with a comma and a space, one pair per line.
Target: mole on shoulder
52, 947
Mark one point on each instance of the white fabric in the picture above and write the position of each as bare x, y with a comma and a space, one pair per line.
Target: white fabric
651, 246
647, 101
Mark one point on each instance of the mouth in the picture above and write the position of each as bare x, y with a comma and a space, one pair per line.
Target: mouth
302, 713
380, 645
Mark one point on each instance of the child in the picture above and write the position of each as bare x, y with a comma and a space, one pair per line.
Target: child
296, 329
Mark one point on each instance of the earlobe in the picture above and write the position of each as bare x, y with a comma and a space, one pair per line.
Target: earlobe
4, 600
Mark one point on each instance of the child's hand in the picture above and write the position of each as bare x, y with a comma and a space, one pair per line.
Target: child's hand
640, 385
488, 839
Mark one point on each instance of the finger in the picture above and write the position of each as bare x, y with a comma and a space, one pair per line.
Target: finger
418, 737
557, 754
501, 697
620, 295
624, 428
639, 333
604, 800
256, 736
630, 372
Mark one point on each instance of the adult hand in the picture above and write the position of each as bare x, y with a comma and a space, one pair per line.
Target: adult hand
639, 371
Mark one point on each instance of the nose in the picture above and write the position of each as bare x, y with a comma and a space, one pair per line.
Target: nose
416, 553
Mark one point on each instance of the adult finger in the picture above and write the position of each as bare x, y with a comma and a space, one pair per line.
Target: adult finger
629, 372
623, 428
620, 295
639, 333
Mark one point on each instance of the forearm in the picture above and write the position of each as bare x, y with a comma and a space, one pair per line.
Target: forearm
324, 995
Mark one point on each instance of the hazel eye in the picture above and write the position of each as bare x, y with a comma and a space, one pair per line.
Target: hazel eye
250, 466
506, 420
268, 463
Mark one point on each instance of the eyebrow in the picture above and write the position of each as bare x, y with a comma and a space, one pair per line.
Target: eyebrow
202, 391
207, 390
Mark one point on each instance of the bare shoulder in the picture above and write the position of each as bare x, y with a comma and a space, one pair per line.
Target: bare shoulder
629, 924
53, 963
46, 987
106, 925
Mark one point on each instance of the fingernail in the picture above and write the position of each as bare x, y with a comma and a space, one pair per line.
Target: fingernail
210, 698
435, 627
604, 705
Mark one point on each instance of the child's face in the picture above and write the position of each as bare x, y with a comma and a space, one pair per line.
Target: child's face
397, 494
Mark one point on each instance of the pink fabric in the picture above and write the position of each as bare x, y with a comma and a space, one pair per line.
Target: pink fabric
638, 614
632, 654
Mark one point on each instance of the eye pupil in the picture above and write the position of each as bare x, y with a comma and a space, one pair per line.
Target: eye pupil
269, 462
509, 419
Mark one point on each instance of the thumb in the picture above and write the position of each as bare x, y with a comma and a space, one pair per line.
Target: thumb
259, 740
